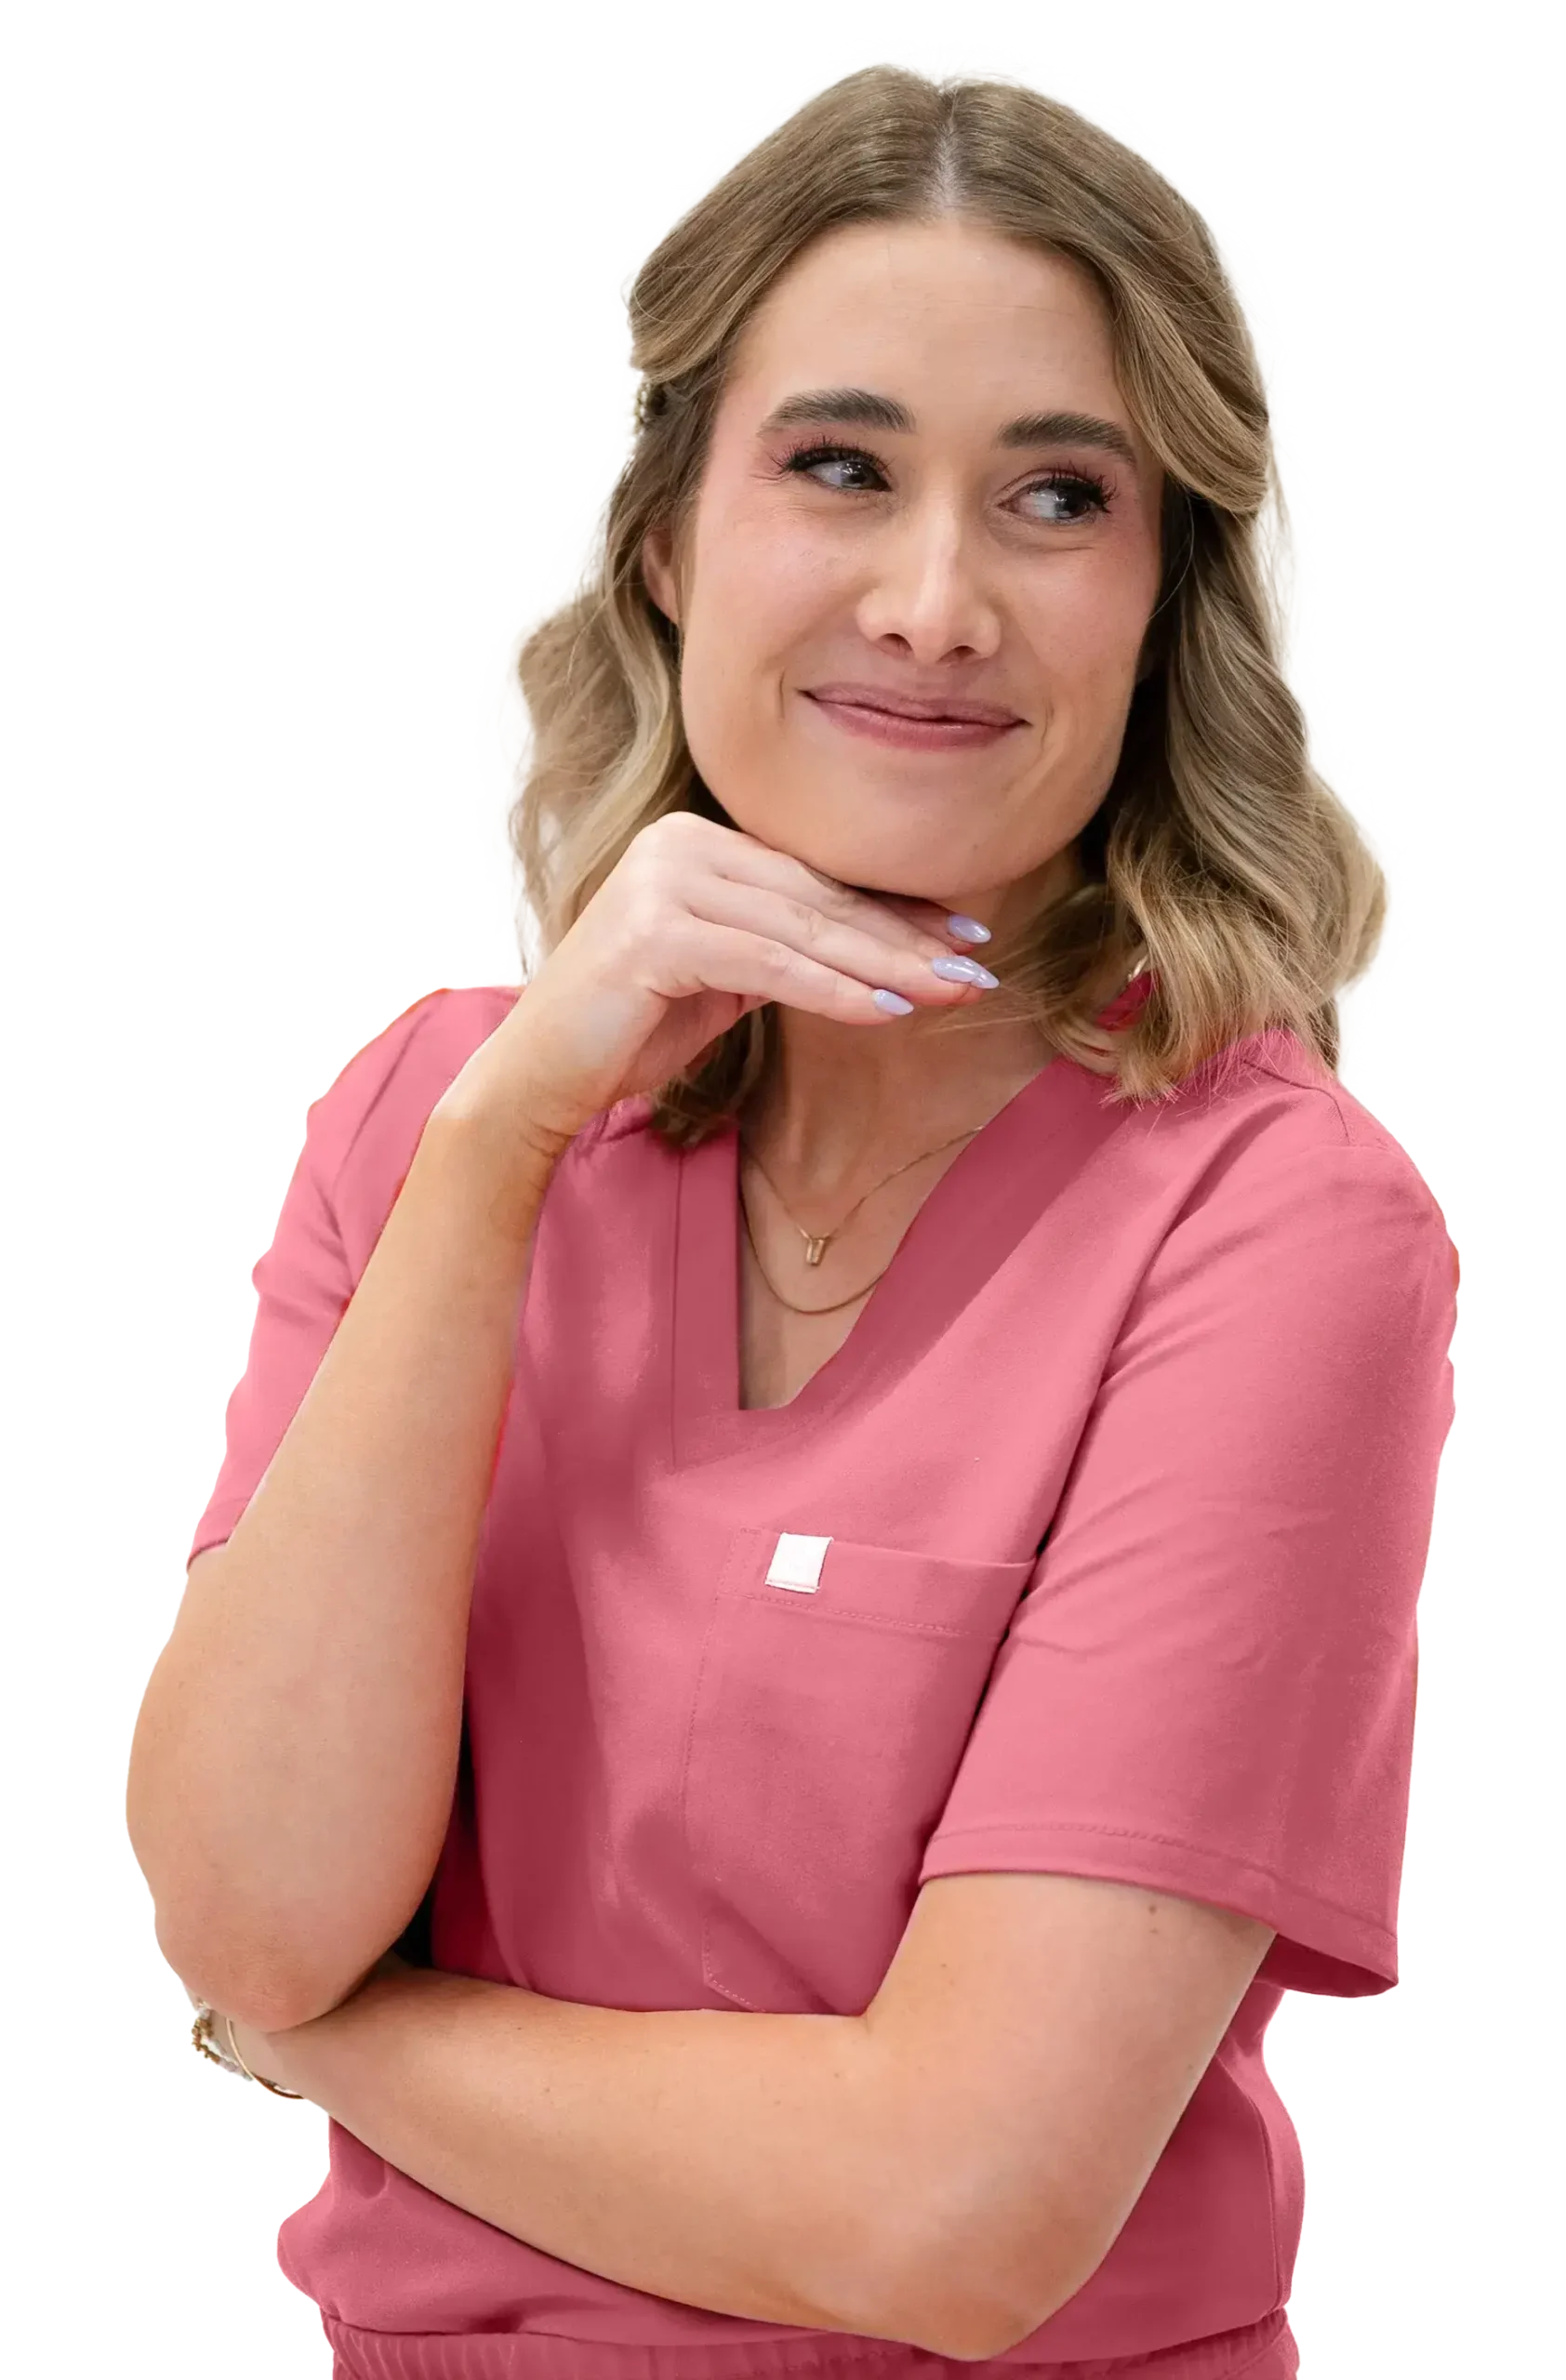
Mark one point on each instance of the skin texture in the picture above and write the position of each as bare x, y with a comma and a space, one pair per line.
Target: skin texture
945, 566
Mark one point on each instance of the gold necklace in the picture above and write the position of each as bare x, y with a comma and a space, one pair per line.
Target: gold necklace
817, 1243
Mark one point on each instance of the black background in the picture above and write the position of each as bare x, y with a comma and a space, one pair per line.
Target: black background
360, 310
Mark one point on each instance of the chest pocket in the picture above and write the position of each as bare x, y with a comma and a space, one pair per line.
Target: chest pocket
829, 1719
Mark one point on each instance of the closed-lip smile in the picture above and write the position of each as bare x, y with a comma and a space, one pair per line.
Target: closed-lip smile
914, 706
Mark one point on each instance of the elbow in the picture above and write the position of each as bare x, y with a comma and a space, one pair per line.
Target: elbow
986, 2313
950, 2314
264, 2005
952, 2300
271, 1969
241, 1984
927, 2278
969, 2328
229, 1991
991, 2321
954, 2313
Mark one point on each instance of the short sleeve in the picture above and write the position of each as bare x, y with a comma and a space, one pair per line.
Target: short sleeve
1209, 1686
305, 1279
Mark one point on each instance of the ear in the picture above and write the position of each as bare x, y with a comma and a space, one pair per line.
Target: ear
658, 569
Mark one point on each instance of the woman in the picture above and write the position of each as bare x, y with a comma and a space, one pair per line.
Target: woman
786, 1473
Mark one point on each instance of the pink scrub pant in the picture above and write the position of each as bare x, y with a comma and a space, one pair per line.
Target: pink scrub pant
1265, 2351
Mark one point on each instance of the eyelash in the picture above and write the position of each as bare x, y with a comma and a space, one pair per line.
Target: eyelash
1098, 491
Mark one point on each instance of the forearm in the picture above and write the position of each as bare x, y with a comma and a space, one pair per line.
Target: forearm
741, 2164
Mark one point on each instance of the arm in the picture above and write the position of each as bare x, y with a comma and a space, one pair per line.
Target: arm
295, 1756
748, 2164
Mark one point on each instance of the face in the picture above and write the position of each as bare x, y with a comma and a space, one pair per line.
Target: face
898, 541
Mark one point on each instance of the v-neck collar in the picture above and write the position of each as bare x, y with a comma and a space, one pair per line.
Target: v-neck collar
995, 1188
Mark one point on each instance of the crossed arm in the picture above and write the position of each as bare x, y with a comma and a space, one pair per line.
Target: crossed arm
733, 2161
945, 2170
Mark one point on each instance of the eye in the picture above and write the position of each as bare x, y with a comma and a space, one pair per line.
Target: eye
806, 460
1080, 487
853, 472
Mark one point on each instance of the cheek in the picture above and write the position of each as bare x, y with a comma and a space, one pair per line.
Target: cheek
762, 591
766, 581
1086, 619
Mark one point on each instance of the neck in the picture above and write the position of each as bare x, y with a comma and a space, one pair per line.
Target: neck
834, 1111
840, 1104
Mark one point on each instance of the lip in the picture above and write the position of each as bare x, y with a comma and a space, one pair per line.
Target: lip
910, 734
939, 706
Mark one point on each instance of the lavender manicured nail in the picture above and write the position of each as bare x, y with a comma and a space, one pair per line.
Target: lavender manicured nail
893, 1003
969, 928
963, 970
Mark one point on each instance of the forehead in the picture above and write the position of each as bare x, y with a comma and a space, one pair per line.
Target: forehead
953, 309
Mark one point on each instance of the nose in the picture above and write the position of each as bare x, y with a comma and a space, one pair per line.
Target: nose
926, 590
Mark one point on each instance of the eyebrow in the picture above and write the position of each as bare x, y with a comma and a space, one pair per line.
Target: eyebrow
870, 411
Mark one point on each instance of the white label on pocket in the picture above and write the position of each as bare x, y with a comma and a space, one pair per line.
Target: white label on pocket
796, 1562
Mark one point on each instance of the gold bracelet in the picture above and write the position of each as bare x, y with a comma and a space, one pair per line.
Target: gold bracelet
203, 2038
201, 2034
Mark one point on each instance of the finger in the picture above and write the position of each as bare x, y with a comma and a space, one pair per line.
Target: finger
924, 922
936, 917
763, 967
902, 920
893, 957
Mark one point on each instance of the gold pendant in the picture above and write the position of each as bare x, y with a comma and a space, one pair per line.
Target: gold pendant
815, 1248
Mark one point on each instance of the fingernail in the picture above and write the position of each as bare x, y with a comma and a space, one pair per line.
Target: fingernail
969, 928
893, 1003
963, 970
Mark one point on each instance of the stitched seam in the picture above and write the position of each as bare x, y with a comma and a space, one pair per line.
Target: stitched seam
421, 1012
1266, 2349
1177, 1843
802, 1603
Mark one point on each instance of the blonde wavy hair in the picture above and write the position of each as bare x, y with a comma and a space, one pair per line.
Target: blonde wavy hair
1218, 864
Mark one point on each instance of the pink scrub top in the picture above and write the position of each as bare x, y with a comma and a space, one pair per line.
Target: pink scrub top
1093, 1550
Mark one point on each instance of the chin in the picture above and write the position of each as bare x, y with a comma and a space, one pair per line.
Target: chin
886, 854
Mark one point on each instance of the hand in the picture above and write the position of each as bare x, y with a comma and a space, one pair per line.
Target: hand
696, 925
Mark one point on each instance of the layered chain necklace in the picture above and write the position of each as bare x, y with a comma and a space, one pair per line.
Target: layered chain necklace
818, 1242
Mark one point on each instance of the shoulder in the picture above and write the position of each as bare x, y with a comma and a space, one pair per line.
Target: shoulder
364, 1128
367, 1127
1276, 1070
1263, 1149
1268, 1088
